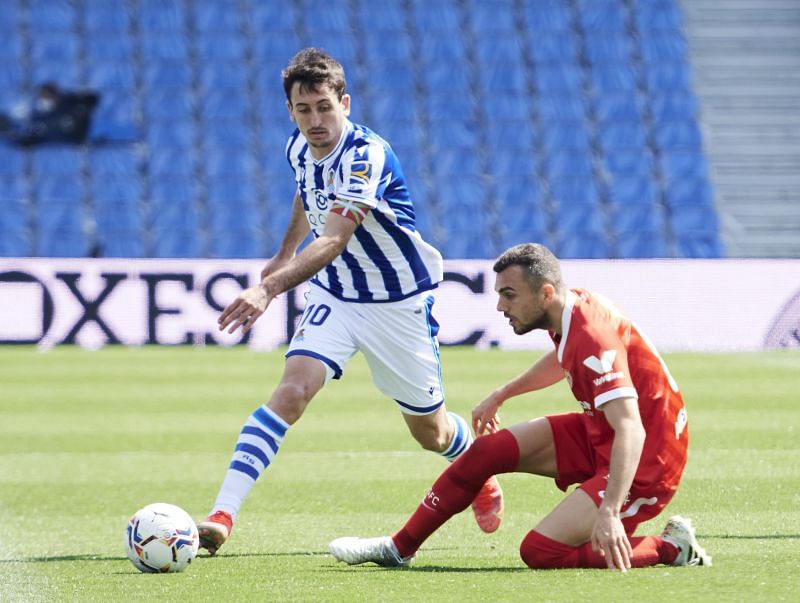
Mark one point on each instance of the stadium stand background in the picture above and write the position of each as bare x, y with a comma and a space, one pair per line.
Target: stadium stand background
572, 122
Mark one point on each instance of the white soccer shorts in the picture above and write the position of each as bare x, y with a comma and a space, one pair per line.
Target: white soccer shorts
398, 340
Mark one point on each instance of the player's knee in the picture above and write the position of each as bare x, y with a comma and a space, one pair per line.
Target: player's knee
289, 400
538, 552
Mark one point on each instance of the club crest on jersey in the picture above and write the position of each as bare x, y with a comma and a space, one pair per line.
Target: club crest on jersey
329, 180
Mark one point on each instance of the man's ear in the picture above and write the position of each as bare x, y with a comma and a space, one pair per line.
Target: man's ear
346, 104
289, 109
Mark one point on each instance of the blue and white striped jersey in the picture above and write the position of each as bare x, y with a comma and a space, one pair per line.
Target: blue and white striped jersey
386, 259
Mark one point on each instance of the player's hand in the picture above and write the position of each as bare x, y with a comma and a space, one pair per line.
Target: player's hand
611, 541
484, 416
245, 310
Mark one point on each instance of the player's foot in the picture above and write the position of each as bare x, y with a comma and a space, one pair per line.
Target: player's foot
214, 530
381, 550
488, 506
679, 532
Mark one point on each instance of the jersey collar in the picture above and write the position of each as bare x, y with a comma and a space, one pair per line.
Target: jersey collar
566, 319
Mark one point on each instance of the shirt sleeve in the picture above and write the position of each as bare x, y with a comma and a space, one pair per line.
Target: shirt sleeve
604, 367
359, 174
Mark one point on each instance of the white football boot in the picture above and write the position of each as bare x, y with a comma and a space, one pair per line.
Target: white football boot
380, 550
679, 532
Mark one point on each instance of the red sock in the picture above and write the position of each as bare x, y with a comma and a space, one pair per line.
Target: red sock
457, 487
541, 552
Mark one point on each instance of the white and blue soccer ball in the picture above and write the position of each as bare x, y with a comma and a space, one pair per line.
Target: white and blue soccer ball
161, 538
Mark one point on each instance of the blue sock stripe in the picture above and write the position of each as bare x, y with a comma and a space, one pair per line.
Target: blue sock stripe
245, 468
255, 431
273, 423
462, 438
254, 451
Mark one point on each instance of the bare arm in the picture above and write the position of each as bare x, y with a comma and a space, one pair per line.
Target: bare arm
296, 232
545, 372
608, 534
288, 273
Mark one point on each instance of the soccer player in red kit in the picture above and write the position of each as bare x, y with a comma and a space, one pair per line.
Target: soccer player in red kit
626, 450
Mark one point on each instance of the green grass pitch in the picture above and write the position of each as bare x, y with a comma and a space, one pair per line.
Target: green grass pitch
86, 438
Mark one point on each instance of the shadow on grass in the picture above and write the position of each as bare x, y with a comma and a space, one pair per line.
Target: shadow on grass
89, 557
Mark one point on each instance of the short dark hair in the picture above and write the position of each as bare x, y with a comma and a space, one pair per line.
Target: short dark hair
314, 68
537, 261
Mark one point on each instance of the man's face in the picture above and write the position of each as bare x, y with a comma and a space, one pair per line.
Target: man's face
525, 309
319, 115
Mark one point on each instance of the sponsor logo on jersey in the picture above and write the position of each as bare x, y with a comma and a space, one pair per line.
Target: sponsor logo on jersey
601, 365
608, 377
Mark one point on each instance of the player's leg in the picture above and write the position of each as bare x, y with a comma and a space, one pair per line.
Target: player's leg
399, 342
318, 352
501, 452
259, 441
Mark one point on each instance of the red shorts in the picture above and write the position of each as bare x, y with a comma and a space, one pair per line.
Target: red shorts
577, 463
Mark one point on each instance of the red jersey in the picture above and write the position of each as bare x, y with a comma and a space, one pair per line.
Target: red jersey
604, 357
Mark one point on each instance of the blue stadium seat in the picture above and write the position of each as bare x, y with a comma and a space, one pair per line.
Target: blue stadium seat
221, 47
435, 16
383, 16
244, 244
167, 104
12, 161
636, 218
632, 190
608, 48
546, 16
118, 217
558, 78
162, 133
574, 191
582, 245
111, 47
54, 46
471, 244
113, 160
517, 192
599, 18
554, 47
220, 74
442, 107
509, 133
668, 76
14, 235
613, 78
103, 75
561, 107
386, 48
562, 136
568, 163
47, 16
617, 107
116, 189
503, 77
569, 218
522, 222
211, 16
272, 17
510, 106
161, 17
447, 78
679, 136
227, 132
679, 106
59, 188
228, 160
494, 49
685, 192
106, 17
642, 245
650, 16
693, 219
167, 74
442, 48
175, 189
233, 195
163, 160
341, 47
159, 45
463, 196
59, 229
401, 134
628, 163
10, 44
663, 46
488, 17
335, 18
49, 160
219, 103
182, 243
615, 136
393, 107
682, 165
504, 161
63, 73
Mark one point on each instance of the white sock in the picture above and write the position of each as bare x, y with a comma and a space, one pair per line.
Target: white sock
258, 443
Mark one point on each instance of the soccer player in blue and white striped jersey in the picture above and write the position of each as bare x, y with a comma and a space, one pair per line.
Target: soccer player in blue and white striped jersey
372, 275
